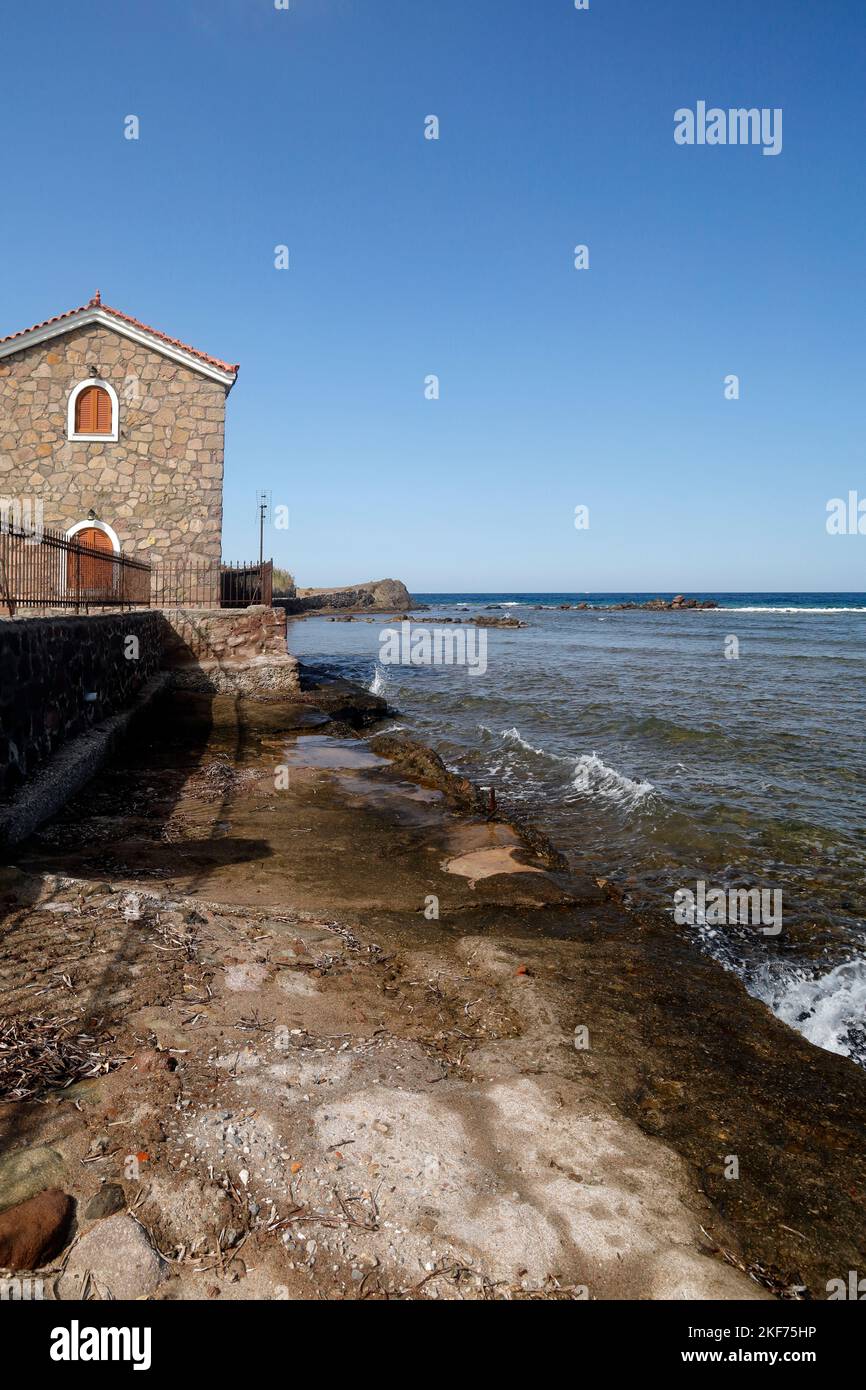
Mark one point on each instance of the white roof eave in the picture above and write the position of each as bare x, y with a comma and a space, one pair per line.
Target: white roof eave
34, 336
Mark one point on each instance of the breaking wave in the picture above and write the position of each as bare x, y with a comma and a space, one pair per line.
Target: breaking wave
515, 737
379, 684
829, 1010
592, 777
589, 775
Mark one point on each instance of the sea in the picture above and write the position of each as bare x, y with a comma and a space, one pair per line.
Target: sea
660, 750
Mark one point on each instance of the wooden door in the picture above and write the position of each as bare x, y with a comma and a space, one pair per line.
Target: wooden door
89, 575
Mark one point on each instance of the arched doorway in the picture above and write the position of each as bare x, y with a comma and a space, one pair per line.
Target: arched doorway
90, 572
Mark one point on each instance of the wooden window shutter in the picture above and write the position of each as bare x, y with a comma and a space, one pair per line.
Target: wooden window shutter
93, 411
84, 414
103, 412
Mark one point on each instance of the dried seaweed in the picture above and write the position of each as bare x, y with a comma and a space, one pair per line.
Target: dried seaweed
44, 1054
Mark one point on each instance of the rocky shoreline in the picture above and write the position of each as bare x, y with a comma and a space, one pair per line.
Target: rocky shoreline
289, 1077
390, 596
653, 605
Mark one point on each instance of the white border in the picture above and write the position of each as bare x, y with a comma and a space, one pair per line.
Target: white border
111, 437
95, 526
138, 335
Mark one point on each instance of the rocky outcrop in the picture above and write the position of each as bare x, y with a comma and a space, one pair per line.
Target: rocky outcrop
382, 594
670, 604
340, 701
652, 605
417, 760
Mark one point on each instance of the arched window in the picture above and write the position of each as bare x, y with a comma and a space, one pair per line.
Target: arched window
93, 411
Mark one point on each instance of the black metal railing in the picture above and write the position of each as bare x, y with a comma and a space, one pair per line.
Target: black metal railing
41, 568
210, 584
242, 585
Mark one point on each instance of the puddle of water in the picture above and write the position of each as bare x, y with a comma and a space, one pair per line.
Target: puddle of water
384, 793
321, 751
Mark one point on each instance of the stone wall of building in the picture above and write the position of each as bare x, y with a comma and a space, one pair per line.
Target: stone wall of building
160, 486
48, 668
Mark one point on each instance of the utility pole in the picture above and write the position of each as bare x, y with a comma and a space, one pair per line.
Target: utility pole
263, 501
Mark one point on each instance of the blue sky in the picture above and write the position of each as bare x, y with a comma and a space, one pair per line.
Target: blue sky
411, 257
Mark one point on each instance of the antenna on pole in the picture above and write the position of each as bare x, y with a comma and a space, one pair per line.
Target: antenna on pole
263, 504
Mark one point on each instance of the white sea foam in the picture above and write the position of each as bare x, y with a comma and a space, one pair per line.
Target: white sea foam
829, 1010
379, 684
515, 736
592, 777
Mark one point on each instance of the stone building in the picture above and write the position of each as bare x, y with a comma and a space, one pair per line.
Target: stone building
118, 431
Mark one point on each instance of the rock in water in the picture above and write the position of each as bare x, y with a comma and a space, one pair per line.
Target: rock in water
391, 593
36, 1230
383, 594
120, 1260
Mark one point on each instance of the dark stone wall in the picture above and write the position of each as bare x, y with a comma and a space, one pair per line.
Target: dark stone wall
48, 666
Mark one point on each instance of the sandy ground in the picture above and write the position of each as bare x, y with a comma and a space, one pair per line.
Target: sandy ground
357, 1043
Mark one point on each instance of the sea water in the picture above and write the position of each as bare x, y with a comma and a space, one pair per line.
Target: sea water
655, 760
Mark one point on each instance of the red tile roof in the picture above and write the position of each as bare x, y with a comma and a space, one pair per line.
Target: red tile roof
96, 303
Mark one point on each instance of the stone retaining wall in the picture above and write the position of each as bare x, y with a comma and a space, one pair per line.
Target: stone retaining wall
238, 651
49, 667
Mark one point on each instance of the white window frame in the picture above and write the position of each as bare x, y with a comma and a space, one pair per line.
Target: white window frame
93, 525
115, 413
